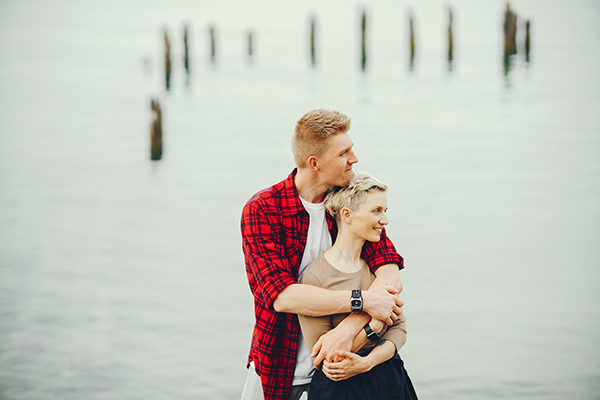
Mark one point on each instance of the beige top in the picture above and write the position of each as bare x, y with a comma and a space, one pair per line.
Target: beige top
321, 273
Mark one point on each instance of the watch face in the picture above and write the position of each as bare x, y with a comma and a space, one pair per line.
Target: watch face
355, 303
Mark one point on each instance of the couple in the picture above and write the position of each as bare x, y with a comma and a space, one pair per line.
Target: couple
347, 294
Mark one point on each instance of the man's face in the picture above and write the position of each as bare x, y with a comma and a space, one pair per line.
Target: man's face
335, 164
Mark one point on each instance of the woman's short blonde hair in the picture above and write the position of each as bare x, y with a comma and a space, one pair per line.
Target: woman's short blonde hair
313, 130
353, 195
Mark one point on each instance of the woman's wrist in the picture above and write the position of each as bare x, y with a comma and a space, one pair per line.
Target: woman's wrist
377, 325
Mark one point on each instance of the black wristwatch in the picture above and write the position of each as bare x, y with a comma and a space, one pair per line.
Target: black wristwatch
371, 334
356, 301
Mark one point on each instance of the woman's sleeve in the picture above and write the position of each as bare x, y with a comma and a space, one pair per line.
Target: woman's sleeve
397, 332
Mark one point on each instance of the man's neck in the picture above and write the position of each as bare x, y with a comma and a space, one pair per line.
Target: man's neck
309, 187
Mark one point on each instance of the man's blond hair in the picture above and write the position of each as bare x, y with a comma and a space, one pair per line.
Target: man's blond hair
313, 131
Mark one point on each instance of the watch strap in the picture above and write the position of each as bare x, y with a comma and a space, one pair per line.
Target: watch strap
371, 334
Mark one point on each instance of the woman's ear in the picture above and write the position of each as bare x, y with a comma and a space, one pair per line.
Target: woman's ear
346, 215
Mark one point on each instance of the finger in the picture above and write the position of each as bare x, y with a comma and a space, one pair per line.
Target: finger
317, 347
318, 360
344, 354
399, 302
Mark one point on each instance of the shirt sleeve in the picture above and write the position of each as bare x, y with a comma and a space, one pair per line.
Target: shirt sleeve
381, 253
313, 327
268, 270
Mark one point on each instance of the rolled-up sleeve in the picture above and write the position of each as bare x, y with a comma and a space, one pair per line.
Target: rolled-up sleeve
268, 270
382, 253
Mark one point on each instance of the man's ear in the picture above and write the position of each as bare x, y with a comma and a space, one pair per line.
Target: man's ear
312, 163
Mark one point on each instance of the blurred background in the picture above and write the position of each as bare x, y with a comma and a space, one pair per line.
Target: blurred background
121, 272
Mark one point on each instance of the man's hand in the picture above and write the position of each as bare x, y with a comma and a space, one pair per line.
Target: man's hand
383, 303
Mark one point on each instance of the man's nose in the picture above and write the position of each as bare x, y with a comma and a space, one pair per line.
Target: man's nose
353, 159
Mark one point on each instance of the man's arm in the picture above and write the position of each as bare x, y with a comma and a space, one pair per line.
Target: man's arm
314, 301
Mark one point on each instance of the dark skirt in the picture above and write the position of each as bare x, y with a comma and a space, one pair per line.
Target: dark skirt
388, 380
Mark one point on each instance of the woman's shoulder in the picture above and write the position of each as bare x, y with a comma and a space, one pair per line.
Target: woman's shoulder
317, 265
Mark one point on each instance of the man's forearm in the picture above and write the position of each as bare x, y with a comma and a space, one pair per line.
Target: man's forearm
312, 301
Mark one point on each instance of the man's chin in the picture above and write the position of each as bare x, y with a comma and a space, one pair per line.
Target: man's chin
348, 178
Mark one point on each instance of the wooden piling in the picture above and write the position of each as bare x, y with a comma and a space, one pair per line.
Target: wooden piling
212, 44
167, 61
250, 43
364, 40
450, 37
313, 56
186, 53
527, 41
412, 42
155, 131
510, 32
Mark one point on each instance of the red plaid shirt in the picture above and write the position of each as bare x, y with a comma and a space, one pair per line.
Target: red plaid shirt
274, 229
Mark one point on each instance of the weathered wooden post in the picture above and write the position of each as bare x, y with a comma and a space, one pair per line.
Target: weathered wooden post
510, 31
186, 54
155, 131
412, 43
364, 41
527, 41
250, 44
167, 61
212, 44
313, 56
450, 38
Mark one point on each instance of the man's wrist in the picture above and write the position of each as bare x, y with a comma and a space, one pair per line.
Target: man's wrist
356, 301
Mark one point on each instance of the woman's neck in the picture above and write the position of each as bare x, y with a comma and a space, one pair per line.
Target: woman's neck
345, 253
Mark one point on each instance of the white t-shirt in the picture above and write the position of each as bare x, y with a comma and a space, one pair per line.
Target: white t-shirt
317, 241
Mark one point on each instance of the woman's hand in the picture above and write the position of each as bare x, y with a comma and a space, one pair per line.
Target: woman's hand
346, 365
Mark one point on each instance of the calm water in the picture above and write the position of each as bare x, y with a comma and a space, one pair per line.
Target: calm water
122, 278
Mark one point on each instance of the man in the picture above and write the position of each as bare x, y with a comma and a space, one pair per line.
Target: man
284, 228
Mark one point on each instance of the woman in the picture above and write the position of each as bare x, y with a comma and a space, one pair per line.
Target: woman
373, 370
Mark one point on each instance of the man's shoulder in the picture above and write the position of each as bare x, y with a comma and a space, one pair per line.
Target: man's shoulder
283, 193
267, 196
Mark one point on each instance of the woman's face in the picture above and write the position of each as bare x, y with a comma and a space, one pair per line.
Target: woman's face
368, 221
